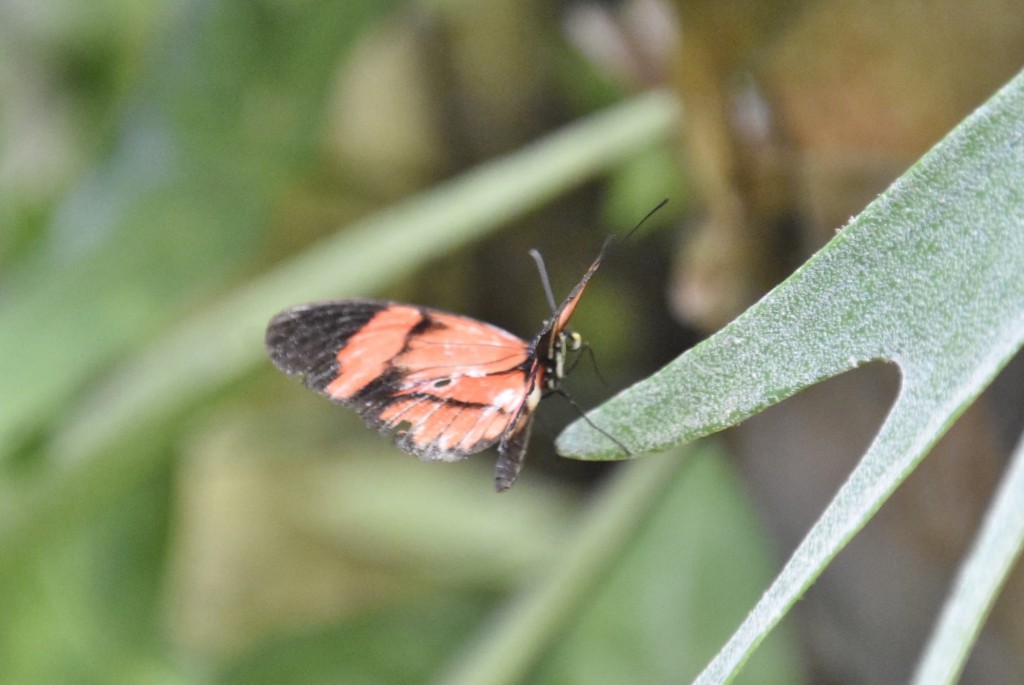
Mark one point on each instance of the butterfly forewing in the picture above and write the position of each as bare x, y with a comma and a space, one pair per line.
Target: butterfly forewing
444, 386
303, 340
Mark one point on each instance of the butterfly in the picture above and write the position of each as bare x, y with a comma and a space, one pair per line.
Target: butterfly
441, 385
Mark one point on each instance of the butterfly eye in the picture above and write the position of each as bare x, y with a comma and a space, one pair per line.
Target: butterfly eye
442, 382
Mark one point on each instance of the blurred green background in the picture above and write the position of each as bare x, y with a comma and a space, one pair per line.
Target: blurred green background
174, 510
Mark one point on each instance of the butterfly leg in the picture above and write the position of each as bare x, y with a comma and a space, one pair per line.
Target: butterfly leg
583, 415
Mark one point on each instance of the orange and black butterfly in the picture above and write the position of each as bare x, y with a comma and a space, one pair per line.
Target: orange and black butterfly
443, 386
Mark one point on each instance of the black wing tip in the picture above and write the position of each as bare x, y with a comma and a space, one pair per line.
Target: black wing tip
301, 339
287, 340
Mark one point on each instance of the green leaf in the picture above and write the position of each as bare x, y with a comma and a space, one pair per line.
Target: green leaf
666, 557
675, 591
998, 546
930, 277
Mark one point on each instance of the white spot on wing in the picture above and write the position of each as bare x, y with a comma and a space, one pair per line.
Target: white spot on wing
506, 399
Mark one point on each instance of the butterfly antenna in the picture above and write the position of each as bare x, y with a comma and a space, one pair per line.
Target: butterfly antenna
579, 410
644, 220
614, 239
545, 281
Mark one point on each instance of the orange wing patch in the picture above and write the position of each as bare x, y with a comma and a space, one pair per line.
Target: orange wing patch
367, 355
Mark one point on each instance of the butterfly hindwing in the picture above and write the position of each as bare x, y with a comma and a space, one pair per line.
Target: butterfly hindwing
442, 386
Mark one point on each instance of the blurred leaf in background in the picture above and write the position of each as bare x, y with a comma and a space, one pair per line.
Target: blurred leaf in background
221, 115
171, 174
206, 142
